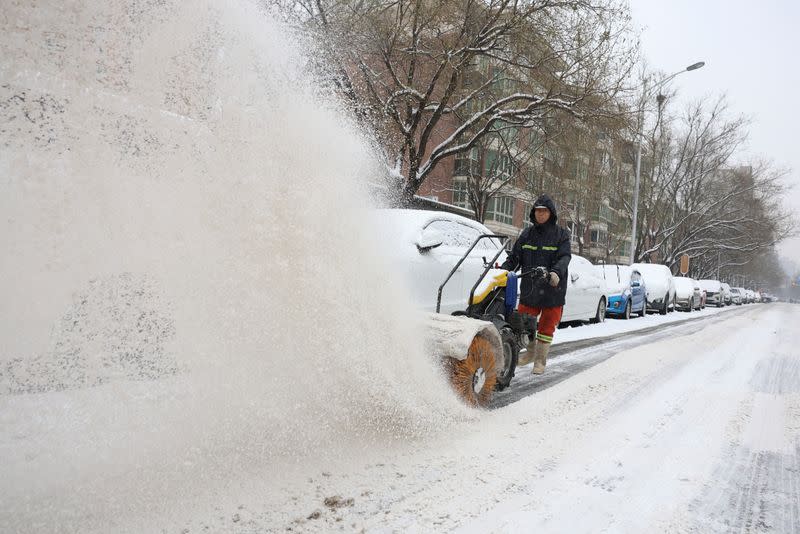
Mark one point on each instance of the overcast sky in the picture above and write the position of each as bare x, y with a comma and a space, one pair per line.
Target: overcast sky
751, 52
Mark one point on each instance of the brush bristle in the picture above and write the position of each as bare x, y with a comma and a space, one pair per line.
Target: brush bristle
480, 354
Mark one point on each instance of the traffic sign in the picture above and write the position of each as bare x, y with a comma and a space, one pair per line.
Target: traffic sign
685, 264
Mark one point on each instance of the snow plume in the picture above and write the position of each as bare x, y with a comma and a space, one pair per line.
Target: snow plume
190, 288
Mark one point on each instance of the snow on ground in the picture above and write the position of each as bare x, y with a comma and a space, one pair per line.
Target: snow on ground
613, 326
697, 433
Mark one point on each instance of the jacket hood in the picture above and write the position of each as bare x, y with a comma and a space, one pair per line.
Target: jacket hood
545, 200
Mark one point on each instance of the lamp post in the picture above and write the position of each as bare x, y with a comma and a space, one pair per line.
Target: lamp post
639, 135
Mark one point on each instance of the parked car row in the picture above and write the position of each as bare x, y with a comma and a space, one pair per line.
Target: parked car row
427, 245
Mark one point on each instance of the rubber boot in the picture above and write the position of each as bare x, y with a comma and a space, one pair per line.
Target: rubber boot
540, 357
527, 357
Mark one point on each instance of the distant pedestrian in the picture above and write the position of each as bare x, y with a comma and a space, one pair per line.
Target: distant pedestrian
545, 244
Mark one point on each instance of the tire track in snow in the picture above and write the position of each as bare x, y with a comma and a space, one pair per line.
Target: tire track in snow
756, 486
567, 359
655, 441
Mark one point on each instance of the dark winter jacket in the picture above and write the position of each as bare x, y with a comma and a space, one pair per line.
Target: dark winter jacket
544, 245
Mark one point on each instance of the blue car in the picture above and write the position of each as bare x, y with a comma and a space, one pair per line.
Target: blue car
627, 293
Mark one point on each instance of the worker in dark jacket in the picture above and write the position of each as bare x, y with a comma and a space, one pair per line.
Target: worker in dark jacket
545, 244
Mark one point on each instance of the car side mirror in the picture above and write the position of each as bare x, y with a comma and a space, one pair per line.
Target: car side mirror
575, 277
429, 240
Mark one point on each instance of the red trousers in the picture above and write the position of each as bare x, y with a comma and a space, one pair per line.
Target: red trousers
550, 317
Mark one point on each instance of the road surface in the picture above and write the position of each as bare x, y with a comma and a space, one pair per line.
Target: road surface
689, 427
693, 428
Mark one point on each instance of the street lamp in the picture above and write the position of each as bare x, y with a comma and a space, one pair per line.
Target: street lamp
639, 135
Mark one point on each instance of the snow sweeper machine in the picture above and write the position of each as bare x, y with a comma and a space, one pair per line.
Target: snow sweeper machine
480, 346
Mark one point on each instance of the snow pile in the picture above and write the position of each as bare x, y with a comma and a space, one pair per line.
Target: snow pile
176, 303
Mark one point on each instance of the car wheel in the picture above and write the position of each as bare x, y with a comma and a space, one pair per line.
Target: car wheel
510, 358
665, 308
627, 314
643, 311
600, 315
474, 377
691, 306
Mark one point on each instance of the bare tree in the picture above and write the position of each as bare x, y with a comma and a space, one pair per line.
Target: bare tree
415, 69
696, 200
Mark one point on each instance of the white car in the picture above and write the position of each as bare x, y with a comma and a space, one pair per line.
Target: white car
714, 294
726, 294
426, 245
659, 284
737, 295
688, 294
587, 297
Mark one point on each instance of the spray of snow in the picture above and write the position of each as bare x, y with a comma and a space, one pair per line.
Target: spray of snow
189, 282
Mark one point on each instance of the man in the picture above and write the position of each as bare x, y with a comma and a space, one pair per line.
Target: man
542, 245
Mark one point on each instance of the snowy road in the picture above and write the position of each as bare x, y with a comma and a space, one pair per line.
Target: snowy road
697, 430
689, 427
571, 357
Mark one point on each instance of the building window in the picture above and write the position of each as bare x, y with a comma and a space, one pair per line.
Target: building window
467, 163
581, 171
526, 212
460, 194
501, 209
605, 213
573, 233
605, 161
496, 165
598, 237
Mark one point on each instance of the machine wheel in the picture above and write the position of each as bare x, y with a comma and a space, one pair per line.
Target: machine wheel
643, 312
627, 314
600, 315
474, 377
665, 308
510, 358
691, 305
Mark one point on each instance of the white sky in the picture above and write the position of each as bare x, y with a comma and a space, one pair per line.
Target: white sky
751, 52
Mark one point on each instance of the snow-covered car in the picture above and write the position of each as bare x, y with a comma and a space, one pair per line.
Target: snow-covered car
714, 296
726, 294
702, 294
751, 295
626, 290
586, 293
660, 288
426, 245
757, 296
737, 295
687, 293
